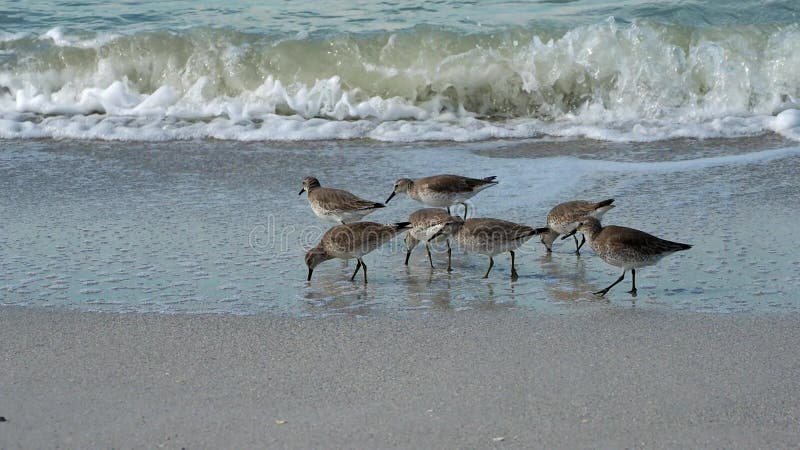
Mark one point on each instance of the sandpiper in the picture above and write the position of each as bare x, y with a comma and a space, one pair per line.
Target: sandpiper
563, 217
442, 191
424, 224
352, 240
336, 205
489, 237
625, 247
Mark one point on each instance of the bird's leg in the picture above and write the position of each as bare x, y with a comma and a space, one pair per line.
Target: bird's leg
449, 254
633, 283
358, 266
448, 210
408, 255
430, 258
583, 241
514, 274
491, 263
604, 291
465, 211
363, 266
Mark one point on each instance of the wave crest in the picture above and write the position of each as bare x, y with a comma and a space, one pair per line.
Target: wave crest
627, 78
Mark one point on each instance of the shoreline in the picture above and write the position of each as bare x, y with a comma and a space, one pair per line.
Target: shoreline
212, 227
607, 378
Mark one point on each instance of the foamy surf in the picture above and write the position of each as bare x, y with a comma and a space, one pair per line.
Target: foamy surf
625, 82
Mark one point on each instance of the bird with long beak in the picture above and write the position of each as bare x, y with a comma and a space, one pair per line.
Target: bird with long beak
442, 191
624, 247
352, 240
336, 205
489, 237
424, 224
564, 216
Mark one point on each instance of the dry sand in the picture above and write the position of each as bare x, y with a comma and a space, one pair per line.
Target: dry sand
613, 378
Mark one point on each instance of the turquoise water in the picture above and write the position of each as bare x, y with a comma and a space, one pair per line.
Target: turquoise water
333, 17
430, 71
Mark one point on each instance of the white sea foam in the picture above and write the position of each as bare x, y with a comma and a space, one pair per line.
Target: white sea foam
787, 123
683, 165
626, 83
61, 39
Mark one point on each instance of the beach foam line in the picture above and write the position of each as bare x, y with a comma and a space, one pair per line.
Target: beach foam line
594, 81
594, 165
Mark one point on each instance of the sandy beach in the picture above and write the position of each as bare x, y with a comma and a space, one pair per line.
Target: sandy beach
154, 288
613, 378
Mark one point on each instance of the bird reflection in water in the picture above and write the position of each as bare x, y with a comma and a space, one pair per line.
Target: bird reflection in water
433, 288
568, 277
337, 297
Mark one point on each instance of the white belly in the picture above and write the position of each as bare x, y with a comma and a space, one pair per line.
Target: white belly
339, 216
443, 200
484, 247
423, 234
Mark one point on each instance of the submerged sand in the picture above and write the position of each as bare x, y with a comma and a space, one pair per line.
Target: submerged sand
610, 378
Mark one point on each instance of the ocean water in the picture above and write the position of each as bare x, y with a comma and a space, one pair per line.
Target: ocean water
151, 153
412, 71
218, 227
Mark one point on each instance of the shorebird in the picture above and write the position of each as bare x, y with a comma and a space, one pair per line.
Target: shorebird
442, 191
625, 247
336, 205
563, 217
424, 224
352, 240
489, 237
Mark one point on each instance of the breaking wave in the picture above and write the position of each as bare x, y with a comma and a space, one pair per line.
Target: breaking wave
638, 81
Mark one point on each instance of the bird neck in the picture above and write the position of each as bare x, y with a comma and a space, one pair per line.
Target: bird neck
411, 191
548, 238
592, 229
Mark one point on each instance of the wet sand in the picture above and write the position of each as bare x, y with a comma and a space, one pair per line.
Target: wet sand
609, 378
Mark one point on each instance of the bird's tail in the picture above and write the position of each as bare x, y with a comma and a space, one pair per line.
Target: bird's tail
490, 179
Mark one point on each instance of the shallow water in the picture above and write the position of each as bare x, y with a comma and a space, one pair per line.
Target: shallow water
218, 227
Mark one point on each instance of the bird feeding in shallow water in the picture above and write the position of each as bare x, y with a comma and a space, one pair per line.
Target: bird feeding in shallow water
563, 217
336, 205
442, 191
489, 237
624, 247
424, 224
352, 240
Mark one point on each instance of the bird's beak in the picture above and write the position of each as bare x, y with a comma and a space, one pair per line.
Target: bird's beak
391, 196
436, 235
310, 271
569, 234
301, 191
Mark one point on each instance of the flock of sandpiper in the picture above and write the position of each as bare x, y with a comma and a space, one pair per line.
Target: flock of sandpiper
622, 247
